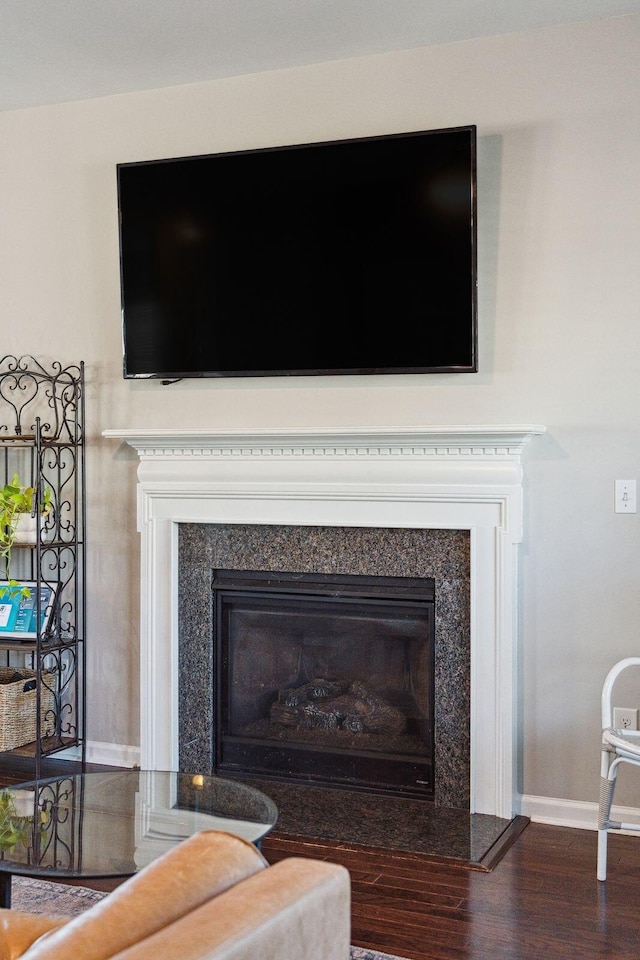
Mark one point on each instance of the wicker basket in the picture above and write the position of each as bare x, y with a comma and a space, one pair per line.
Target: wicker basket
18, 708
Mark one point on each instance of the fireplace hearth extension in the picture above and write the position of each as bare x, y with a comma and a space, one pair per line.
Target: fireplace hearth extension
433, 477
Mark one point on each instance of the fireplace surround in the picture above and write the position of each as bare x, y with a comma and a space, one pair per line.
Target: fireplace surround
429, 478
437, 559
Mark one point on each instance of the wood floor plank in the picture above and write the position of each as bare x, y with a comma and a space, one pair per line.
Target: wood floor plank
410, 903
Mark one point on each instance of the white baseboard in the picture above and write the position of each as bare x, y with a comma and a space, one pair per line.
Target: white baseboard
571, 813
113, 754
109, 754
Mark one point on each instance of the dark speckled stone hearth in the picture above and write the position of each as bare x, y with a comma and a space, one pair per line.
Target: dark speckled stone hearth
391, 823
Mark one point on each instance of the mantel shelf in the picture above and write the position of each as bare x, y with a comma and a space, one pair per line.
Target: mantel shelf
360, 441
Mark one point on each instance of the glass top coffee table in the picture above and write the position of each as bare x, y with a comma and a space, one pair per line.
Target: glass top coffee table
113, 824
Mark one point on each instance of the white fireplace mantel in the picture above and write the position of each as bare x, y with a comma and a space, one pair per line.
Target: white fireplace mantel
438, 477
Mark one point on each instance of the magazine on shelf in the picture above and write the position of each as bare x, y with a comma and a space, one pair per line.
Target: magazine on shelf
19, 609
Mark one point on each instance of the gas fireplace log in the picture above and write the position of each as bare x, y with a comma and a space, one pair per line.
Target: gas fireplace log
328, 705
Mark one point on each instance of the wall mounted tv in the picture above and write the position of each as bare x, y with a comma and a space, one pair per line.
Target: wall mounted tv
344, 257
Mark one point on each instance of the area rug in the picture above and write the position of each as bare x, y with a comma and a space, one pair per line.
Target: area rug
60, 900
52, 899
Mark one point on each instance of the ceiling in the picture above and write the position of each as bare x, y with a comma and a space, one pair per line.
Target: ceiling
53, 51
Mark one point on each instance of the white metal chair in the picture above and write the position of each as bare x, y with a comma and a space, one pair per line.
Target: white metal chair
618, 746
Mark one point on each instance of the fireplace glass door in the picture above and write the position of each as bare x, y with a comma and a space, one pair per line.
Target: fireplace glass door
325, 679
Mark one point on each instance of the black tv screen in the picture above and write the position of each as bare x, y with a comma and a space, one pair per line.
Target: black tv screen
344, 257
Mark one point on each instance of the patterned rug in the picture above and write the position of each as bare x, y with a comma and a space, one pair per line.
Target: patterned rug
52, 899
60, 900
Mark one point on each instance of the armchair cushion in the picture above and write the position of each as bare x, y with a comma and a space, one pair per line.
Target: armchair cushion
19, 930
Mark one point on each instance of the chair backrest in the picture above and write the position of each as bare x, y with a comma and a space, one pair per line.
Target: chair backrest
607, 687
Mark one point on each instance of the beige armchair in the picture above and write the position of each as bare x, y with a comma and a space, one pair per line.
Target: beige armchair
213, 897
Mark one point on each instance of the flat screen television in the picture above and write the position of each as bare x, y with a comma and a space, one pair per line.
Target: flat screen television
345, 257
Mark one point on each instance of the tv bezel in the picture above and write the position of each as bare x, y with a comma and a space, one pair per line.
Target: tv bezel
172, 376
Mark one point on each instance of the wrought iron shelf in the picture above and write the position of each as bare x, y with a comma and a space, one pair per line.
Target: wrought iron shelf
48, 545
42, 439
31, 438
19, 646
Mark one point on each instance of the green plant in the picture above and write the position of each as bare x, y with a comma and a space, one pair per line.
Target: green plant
17, 500
16, 826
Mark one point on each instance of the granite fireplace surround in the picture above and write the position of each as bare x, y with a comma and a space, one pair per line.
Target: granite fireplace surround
440, 554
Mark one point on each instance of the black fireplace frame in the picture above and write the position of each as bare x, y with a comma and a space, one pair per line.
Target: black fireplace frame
358, 769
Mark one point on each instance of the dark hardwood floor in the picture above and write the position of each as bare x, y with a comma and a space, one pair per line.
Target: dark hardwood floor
540, 902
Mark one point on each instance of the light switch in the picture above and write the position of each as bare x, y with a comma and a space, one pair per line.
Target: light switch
625, 496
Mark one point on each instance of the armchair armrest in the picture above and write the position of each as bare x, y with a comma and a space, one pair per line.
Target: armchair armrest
199, 868
298, 909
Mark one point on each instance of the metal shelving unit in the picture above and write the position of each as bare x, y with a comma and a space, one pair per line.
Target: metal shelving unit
42, 440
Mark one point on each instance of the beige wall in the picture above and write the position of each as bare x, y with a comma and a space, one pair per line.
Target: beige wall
559, 231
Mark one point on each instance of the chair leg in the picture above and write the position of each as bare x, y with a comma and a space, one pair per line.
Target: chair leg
602, 853
607, 786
